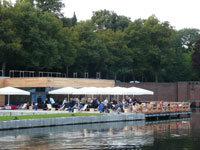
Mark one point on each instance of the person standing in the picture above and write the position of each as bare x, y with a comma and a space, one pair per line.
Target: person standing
39, 101
52, 102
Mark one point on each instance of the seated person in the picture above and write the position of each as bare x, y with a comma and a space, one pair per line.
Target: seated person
114, 102
119, 107
65, 102
53, 103
101, 108
72, 104
94, 104
109, 105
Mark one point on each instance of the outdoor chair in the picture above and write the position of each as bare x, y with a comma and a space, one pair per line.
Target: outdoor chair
30, 107
158, 108
62, 107
24, 106
92, 110
111, 111
149, 108
172, 108
75, 110
84, 107
138, 108
127, 110
49, 107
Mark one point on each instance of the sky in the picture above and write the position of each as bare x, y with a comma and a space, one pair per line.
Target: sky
180, 13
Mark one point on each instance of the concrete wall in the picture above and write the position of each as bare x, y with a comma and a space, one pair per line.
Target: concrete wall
17, 124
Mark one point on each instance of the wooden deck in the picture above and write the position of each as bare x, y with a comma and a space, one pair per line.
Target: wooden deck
179, 115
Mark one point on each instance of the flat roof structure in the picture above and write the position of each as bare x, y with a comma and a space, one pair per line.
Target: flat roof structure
43, 82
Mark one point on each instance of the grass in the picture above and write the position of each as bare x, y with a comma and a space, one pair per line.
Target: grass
9, 118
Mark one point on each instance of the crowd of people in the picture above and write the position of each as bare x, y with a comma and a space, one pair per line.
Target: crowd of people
106, 105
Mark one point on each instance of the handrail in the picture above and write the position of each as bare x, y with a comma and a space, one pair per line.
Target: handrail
166, 107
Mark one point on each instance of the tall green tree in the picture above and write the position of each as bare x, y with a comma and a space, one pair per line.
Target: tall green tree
54, 6
188, 38
151, 45
10, 43
74, 20
196, 57
92, 53
105, 19
119, 58
45, 41
182, 69
160, 52
137, 40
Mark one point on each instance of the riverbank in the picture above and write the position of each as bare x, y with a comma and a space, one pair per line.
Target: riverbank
45, 122
43, 116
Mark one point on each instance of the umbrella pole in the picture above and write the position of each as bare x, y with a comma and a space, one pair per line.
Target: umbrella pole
68, 97
8, 99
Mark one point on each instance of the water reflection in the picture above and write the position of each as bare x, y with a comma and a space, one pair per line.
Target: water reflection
117, 135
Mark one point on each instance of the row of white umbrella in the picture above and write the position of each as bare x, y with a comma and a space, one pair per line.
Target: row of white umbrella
102, 91
81, 91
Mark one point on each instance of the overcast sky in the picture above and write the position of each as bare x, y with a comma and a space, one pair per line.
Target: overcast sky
180, 13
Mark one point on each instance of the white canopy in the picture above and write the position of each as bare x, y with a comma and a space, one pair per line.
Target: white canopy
102, 91
12, 91
65, 90
111, 91
137, 91
87, 91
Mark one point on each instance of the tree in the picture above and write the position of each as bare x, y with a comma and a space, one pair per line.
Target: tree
45, 42
182, 69
196, 56
54, 6
10, 43
67, 22
188, 37
92, 53
67, 49
160, 51
119, 58
150, 41
74, 20
105, 19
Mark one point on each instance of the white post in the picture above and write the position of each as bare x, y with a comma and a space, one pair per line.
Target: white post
8, 100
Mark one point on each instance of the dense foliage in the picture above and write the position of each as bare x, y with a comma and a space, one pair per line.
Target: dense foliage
35, 35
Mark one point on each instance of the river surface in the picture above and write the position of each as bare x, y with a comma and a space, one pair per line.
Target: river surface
183, 134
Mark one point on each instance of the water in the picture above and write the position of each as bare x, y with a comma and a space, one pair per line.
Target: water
181, 134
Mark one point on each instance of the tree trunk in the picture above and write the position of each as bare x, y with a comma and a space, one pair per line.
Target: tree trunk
156, 76
107, 75
124, 77
142, 77
67, 71
133, 77
3, 68
115, 76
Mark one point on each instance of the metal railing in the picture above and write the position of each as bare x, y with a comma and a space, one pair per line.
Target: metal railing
30, 74
166, 107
